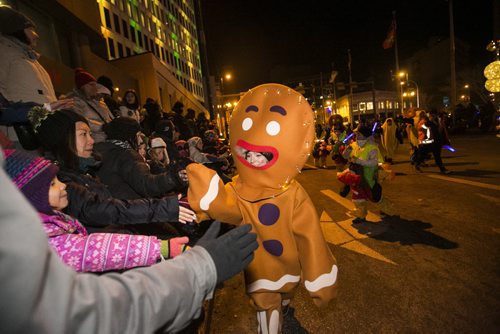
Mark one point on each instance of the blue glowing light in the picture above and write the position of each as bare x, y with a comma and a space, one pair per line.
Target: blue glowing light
347, 138
449, 148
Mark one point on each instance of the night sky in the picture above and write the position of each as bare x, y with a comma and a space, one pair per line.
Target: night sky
259, 41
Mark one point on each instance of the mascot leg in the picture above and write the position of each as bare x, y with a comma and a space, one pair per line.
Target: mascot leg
386, 207
269, 315
361, 209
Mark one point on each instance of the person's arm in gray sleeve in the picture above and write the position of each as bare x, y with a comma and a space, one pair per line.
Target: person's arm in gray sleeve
167, 295
39, 294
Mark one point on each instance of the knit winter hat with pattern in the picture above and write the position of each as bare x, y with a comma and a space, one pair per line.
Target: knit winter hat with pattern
32, 175
54, 127
12, 21
83, 77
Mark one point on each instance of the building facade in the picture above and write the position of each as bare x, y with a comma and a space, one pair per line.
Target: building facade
368, 106
150, 46
167, 29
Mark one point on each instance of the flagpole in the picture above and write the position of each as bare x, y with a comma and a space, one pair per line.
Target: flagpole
399, 88
351, 115
395, 40
453, 75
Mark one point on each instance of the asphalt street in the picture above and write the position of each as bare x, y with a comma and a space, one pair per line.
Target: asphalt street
435, 268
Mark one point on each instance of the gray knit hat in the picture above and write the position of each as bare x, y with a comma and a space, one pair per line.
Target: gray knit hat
12, 21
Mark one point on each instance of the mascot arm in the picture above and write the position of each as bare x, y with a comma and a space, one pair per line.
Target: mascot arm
209, 197
319, 269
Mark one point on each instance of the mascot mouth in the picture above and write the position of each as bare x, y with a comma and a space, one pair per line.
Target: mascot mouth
255, 156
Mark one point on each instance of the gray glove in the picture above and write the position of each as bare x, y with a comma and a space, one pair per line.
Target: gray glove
232, 252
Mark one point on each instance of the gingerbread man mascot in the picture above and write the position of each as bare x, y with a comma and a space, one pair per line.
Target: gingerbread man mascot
272, 133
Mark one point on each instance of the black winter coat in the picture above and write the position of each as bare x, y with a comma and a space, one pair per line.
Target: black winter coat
92, 204
128, 176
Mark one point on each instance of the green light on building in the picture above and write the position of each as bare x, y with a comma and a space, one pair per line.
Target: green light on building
176, 54
174, 36
134, 24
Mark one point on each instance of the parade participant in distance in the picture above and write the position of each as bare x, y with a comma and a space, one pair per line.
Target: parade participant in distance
364, 158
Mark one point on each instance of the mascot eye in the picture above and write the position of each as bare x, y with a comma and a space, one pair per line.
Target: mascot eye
247, 124
273, 128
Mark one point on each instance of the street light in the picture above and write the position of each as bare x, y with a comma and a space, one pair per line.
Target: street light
225, 77
222, 120
418, 95
405, 82
467, 93
401, 75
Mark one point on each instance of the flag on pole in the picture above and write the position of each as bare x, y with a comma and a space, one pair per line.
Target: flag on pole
349, 60
391, 35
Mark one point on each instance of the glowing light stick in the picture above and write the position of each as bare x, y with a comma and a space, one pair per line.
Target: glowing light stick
449, 148
347, 138
374, 127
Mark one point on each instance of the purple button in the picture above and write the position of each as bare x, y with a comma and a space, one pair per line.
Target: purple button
274, 247
269, 214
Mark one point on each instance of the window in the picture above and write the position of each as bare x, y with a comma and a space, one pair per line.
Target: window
162, 53
120, 49
369, 105
117, 23
139, 38
125, 28
135, 13
107, 18
111, 47
132, 34
146, 43
129, 52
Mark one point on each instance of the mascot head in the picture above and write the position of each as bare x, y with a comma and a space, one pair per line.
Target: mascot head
272, 134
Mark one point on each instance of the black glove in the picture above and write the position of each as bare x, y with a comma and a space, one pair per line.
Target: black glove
232, 252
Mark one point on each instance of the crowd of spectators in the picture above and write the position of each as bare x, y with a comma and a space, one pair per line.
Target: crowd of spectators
93, 184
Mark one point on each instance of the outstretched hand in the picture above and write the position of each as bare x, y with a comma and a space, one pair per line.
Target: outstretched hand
231, 252
185, 215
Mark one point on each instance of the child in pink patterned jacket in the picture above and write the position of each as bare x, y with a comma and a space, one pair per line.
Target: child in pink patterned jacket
97, 252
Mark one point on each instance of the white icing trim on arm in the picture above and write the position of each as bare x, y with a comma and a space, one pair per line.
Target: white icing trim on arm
213, 190
323, 280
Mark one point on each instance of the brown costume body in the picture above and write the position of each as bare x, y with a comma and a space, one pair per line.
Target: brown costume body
277, 122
